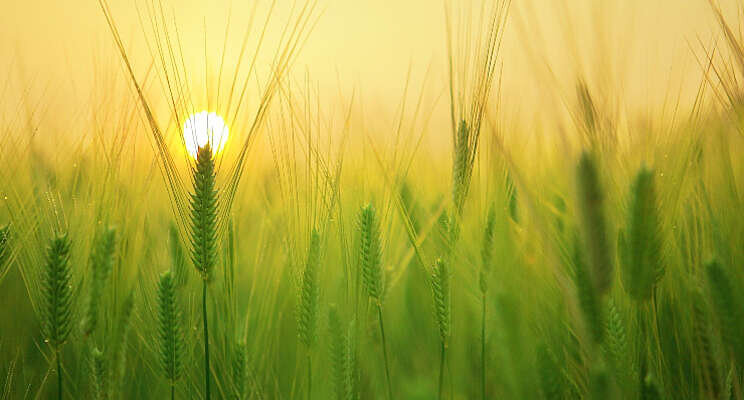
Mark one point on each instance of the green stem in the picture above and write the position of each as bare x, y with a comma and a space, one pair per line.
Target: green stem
59, 374
441, 370
483, 346
384, 352
206, 341
173, 391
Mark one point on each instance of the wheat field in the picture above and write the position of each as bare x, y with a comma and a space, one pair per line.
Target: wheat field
213, 222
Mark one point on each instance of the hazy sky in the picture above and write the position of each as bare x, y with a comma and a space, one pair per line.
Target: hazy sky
641, 48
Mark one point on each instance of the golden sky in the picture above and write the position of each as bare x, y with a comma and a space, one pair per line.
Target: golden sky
635, 49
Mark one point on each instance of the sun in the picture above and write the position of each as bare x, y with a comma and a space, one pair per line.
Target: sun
202, 128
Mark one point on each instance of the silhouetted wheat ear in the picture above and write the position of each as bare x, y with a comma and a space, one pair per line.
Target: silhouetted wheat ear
169, 331
204, 214
487, 249
594, 224
99, 375
239, 369
338, 349
57, 292
101, 262
370, 252
642, 257
727, 308
440, 288
309, 293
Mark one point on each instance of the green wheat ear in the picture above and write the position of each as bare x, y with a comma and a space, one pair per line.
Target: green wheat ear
56, 286
204, 214
461, 165
487, 249
594, 224
339, 354
440, 288
121, 336
309, 293
171, 346
727, 308
101, 261
549, 371
707, 364
617, 350
589, 301
203, 235
642, 260
239, 369
448, 231
56, 298
4, 241
370, 260
99, 374
370, 253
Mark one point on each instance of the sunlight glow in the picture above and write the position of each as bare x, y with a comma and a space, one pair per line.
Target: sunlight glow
202, 128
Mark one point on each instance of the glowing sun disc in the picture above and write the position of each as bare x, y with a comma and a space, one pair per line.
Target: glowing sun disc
202, 128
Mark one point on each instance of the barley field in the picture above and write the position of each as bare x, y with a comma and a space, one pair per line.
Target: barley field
477, 199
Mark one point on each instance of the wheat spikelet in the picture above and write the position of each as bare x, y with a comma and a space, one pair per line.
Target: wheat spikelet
169, 331
203, 235
121, 336
99, 374
339, 355
4, 244
57, 293
461, 165
440, 288
594, 224
57, 301
727, 309
204, 215
370, 253
642, 260
616, 346
707, 363
239, 369
101, 261
309, 293
487, 249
